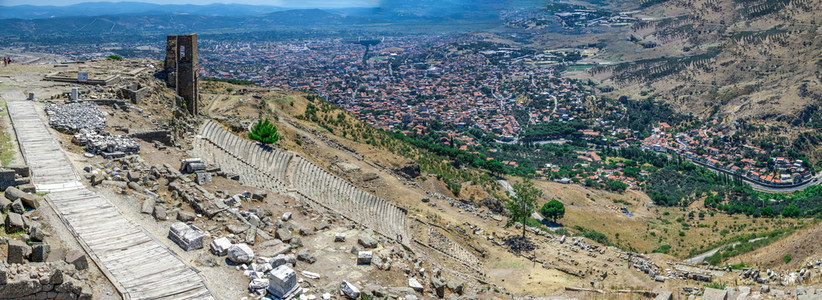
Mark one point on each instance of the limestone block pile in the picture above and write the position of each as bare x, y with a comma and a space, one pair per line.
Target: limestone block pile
14, 175
770, 276
132, 173
644, 264
72, 117
54, 280
97, 143
16, 204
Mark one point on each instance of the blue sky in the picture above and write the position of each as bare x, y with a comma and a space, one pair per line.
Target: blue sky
284, 3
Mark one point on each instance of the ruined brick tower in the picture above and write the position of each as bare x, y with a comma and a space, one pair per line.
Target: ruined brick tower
181, 68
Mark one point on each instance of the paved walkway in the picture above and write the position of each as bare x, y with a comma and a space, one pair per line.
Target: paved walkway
139, 266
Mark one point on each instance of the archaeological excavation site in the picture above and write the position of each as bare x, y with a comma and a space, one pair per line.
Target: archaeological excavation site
140, 180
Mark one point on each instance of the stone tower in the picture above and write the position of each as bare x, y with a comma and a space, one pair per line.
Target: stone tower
181, 67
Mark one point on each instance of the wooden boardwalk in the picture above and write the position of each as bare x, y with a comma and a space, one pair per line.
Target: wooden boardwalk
138, 265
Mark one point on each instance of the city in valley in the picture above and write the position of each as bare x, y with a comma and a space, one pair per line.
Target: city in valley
362, 149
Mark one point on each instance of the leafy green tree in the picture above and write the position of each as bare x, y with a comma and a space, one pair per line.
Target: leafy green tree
616, 186
521, 202
791, 211
553, 210
264, 132
768, 212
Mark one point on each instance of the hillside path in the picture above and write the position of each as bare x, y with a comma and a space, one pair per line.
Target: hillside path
138, 265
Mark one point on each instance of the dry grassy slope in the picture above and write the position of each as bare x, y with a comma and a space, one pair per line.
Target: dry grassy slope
803, 246
646, 231
763, 61
514, 273
326, 148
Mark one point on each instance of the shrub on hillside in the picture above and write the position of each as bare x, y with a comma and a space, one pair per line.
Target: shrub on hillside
264, 132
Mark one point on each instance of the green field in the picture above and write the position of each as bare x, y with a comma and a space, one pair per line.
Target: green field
579, 67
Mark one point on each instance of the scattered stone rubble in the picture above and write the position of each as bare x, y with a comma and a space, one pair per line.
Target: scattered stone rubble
51, 280
15, 175
268, 249
773, 277
133, 173
18, 206
747, 292
642, 263
32, 269
97, 143
462, 205
73, 117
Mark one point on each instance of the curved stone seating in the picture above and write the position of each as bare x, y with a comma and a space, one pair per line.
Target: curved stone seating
441, 242
267, 167
248, 175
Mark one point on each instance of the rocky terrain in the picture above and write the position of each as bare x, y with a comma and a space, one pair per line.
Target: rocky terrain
325, 217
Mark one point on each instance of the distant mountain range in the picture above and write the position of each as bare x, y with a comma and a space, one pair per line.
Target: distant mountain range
123, 19
30, 12
395, 8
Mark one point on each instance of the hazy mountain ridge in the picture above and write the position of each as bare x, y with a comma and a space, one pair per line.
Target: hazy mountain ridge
167, 23
29, 12
387, 9
150, 19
